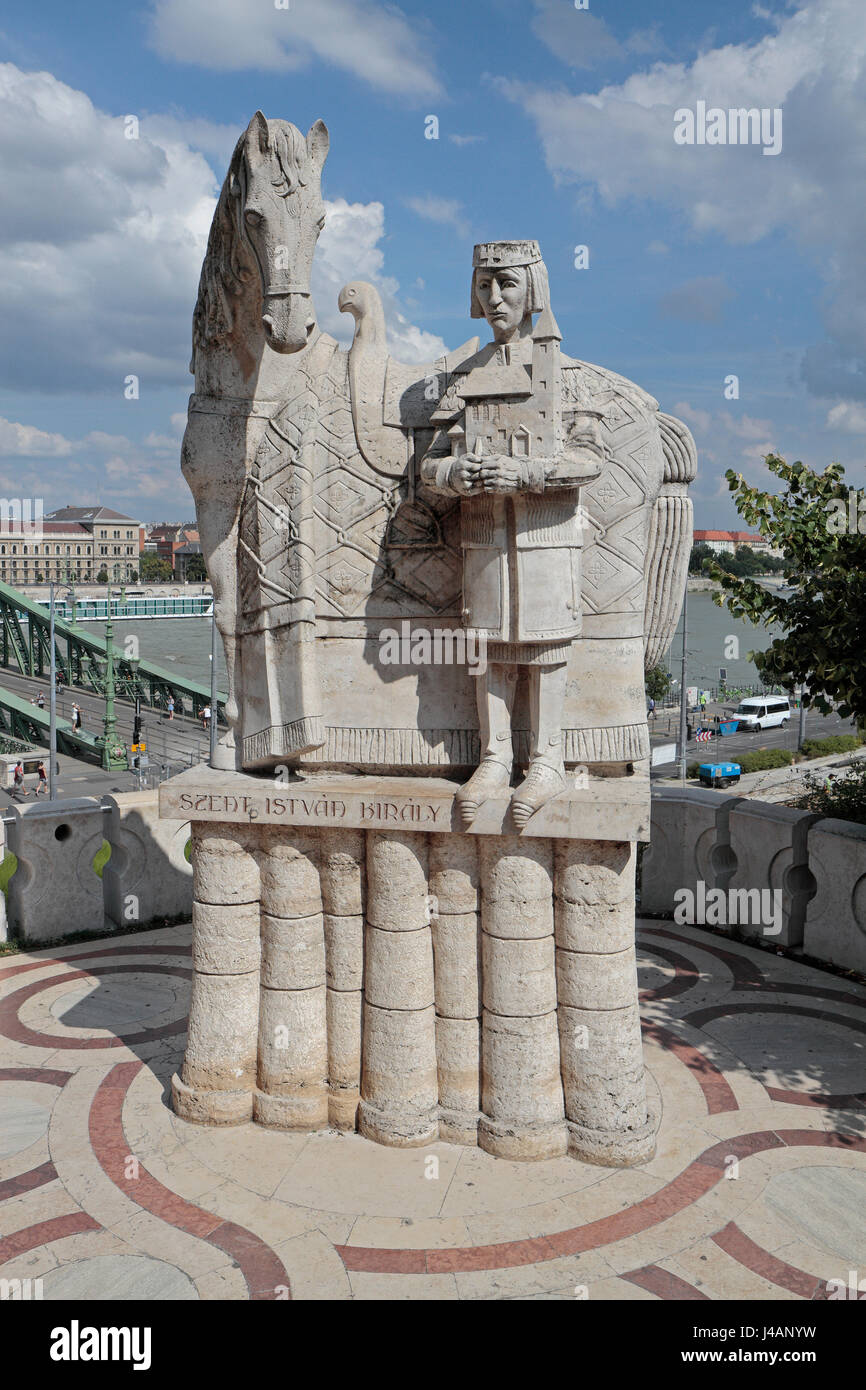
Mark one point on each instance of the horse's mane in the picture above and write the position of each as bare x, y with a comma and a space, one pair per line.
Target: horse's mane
229, 262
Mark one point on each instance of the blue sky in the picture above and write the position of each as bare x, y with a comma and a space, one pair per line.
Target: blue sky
554, 122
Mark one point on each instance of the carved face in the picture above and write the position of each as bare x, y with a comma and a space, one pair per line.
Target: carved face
283, 213
503, 295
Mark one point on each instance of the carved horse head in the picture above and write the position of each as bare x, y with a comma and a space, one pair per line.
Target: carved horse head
263, 236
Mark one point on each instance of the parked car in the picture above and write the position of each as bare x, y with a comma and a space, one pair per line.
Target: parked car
763, 712
719, 774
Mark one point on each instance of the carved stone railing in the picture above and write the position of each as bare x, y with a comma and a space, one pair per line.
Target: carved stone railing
706, 840
56, 891
728, 842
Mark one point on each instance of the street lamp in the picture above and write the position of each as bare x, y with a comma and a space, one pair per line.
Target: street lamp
52, 694
214, 690
113, 752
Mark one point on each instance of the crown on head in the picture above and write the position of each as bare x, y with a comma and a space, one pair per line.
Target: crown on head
501, 254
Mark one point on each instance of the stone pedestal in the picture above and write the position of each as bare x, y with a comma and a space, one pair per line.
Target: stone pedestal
360, 962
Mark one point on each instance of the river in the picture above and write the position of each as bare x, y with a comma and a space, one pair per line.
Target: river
182, 645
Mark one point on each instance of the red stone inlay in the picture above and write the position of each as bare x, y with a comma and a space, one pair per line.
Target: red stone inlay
50, 1076
261, 1268
699, 1017
747, 974
738, 1245
372, 1260
663, 1283
92, 955
12, 1027
717, 1092
817, 1098
75, 1223
700, 1177
686, 977
25, 1182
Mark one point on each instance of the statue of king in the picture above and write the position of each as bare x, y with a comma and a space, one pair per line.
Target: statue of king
518, 457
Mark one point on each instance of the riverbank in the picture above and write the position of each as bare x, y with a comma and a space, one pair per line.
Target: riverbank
699, 584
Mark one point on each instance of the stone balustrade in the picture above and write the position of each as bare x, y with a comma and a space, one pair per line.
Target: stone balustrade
810, 871
55, 890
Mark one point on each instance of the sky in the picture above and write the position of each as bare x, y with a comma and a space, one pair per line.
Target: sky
705, 261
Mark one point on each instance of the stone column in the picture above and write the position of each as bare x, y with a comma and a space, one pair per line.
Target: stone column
219, 1069
521, 1091
599, 1022
398, 1083
342, 876
293, 1051
457, 970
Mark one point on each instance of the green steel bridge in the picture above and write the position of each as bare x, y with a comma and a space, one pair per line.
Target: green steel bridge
22, 725
81, 659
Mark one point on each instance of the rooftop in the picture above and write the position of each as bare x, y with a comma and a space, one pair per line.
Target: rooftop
89, 514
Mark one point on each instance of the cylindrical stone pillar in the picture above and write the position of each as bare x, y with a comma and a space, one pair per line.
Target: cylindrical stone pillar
521, 1091
342, 872
219, 1068
398, 1080
293, 1052
599, 1022
457, 970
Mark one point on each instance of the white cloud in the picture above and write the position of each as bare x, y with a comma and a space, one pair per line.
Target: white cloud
658, 248
102, 240
849, 418
349, 249
25, 441
374, 42
619, 140
728, 440
448, 211
577, 37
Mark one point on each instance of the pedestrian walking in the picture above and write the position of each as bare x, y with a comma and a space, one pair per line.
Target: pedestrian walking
171, 707
652, 708
76, 717
42, 784
205, 718
40, 700
18, 779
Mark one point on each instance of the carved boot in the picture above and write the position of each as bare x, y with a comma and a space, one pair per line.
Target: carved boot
495, 694
546, 775
542, 783
489, 777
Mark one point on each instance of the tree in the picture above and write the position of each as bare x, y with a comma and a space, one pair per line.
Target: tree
195, 571
701, 553
658, 682
154, 570
133, 576
102, 577
824, 559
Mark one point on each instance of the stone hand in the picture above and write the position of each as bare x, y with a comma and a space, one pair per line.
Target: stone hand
464, 476
501, 474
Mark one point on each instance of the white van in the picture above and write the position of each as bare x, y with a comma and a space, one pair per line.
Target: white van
763, 712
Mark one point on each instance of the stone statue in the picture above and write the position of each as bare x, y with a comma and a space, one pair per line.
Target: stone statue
519, 462
357, 848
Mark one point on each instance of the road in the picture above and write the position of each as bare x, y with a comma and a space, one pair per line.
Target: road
173, 743
664, 729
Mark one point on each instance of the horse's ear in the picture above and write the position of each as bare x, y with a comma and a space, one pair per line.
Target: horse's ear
258, 129
318, 143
